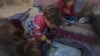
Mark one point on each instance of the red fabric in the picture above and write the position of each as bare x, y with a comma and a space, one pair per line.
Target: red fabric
62, 7
39, 26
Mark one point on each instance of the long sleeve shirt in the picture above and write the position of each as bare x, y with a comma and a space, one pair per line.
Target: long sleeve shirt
36, 26
62, 8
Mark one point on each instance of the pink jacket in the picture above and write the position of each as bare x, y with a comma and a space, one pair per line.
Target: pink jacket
62, 7
36, 26
40, 25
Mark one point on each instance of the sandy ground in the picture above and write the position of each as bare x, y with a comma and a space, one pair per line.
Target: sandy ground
7, 11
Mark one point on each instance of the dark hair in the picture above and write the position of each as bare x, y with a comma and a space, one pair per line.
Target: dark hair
14, 43
53, 14
65, 1
7, 28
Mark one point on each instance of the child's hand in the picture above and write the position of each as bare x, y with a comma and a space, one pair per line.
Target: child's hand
48, 42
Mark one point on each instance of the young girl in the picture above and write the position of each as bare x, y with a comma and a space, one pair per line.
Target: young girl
67, 9
38, 23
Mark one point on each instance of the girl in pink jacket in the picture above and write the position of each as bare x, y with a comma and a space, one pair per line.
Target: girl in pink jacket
38, 23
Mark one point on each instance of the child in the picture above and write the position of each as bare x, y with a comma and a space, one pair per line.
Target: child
38, 23
67, 9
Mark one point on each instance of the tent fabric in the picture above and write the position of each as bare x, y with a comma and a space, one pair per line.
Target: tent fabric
43, 3
79, 4
95, 22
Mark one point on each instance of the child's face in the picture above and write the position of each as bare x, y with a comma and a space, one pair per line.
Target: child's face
48, 23
68, 4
